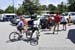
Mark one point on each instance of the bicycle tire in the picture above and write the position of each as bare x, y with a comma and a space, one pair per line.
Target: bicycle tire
13, 33
33, 42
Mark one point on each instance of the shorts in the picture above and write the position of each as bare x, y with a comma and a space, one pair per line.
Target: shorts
25, 27
56, 24
20, 29
64, 23
49, 24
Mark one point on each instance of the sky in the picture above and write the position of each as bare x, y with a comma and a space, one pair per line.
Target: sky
5, 3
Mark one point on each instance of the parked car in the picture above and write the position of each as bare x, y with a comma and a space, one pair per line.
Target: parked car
27, 17
15, 20
7, 16
1, 17
44, 21
71, 14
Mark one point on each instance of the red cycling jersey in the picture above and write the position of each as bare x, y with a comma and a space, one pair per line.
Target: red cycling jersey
25, 21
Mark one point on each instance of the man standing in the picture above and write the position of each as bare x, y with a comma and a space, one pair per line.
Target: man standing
57, 22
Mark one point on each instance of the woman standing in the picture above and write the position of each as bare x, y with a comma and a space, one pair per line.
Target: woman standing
64, 22
69, 20
49, 22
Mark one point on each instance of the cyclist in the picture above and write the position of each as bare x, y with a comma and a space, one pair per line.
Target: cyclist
25, 24
31, 23
20, 25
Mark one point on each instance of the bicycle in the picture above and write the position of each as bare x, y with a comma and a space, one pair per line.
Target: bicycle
15, 35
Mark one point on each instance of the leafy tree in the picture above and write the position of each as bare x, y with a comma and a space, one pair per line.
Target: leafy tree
71, 1
44, 7
51, 7
1, 11
62, 8
72, 7
30, 7
36, 2
20, 10
10, 9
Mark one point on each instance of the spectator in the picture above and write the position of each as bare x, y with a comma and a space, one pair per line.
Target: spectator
57, 22
49, 22
64, 22
69, 20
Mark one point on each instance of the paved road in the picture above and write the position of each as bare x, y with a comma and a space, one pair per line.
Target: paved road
64, 40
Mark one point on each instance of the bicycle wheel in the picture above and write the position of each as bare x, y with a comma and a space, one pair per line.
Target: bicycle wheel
14, 36
34, 41
37, 33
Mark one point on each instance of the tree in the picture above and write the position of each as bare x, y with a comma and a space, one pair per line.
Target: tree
51, 7
10, 9
20, 11
1, 11
44, 7
72, 7
62, 7
71, 1
30, 7
36, 2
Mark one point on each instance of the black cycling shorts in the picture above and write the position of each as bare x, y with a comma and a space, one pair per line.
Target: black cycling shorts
20, 29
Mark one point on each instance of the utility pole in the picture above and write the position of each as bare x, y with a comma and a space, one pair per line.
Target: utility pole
13, 6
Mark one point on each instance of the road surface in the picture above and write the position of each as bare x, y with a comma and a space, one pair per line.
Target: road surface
64, 40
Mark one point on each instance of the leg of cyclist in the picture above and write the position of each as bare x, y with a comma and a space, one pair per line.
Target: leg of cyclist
25, 30
33, 30
20, 31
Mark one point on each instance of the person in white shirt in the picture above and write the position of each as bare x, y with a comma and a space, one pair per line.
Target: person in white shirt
64, 22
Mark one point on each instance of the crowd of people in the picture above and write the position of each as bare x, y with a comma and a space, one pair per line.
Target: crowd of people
57, 20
